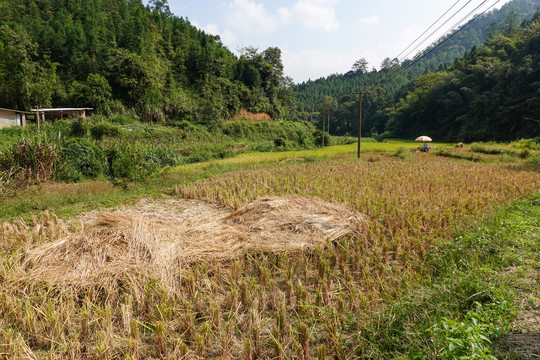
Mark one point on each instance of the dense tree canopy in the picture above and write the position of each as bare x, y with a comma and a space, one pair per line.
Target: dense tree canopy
117, 55
489, 94
396, 86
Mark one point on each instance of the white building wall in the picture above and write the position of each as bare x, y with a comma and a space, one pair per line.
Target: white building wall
7, 118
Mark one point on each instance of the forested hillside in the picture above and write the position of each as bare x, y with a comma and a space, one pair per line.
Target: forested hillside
119, 55
311, 94
492, 93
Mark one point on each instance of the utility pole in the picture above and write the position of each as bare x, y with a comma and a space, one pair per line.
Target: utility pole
328, 127
37, 116
323, 122
359, 122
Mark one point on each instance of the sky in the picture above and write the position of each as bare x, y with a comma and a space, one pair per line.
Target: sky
318, 38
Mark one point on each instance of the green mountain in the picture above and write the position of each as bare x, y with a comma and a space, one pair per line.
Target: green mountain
491, 93
394, 79
120, 55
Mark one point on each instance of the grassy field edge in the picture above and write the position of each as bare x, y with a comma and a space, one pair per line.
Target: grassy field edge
476, 287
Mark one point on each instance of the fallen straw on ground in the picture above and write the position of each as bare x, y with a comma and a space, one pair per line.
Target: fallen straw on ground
130, 245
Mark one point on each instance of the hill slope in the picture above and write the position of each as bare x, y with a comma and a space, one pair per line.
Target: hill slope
115, 55
489, 94
310, 94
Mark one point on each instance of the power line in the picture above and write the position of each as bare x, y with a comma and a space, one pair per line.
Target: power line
390, 72
418, 58
436, 21
437, 43
440, 27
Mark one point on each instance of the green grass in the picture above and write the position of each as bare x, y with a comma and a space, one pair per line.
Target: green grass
68, 199
468, 294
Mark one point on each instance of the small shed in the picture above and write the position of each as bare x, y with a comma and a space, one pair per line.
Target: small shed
60, 113
9, 117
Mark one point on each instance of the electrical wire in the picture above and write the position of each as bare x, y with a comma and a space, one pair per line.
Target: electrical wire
437, 43
429, 28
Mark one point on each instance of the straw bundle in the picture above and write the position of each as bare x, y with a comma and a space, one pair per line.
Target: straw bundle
128, 244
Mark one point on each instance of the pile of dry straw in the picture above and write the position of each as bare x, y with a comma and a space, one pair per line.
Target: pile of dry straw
130, 243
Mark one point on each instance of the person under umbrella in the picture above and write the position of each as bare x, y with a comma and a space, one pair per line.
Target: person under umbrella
425, 140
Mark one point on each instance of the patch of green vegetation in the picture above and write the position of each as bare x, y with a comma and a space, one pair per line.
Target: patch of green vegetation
506, 152
403, 154
530, 144
467, 295
458, 155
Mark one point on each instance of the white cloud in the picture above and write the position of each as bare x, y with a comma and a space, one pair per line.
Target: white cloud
227, 36
316, 14
371, 20
211, 29
248, 16
406, 37
285, 15
312, 64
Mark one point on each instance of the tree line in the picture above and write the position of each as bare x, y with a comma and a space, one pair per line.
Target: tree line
389, 106
491, 93
120, 56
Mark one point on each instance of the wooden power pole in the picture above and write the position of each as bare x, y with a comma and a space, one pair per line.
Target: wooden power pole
359, 122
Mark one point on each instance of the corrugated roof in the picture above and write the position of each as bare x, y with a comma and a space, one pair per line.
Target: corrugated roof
63, 109
19, 111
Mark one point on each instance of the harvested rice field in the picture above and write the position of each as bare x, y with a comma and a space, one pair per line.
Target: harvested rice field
289, 262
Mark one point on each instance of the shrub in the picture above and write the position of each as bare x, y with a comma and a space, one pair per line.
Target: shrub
162, 156
384, 135
318, 137
81, 159
32, 158
103, 129
133, 162
58, 130
79, 127
126, 162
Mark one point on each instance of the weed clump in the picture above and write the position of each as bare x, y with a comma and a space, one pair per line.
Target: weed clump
29, 159
104, 128
403, 154
79, 127
134, 162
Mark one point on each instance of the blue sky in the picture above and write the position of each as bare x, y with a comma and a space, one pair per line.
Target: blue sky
321, 37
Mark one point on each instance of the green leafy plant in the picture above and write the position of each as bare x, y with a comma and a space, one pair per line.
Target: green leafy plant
79, 127
97, 131
81, 159
471, 337
31, 158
